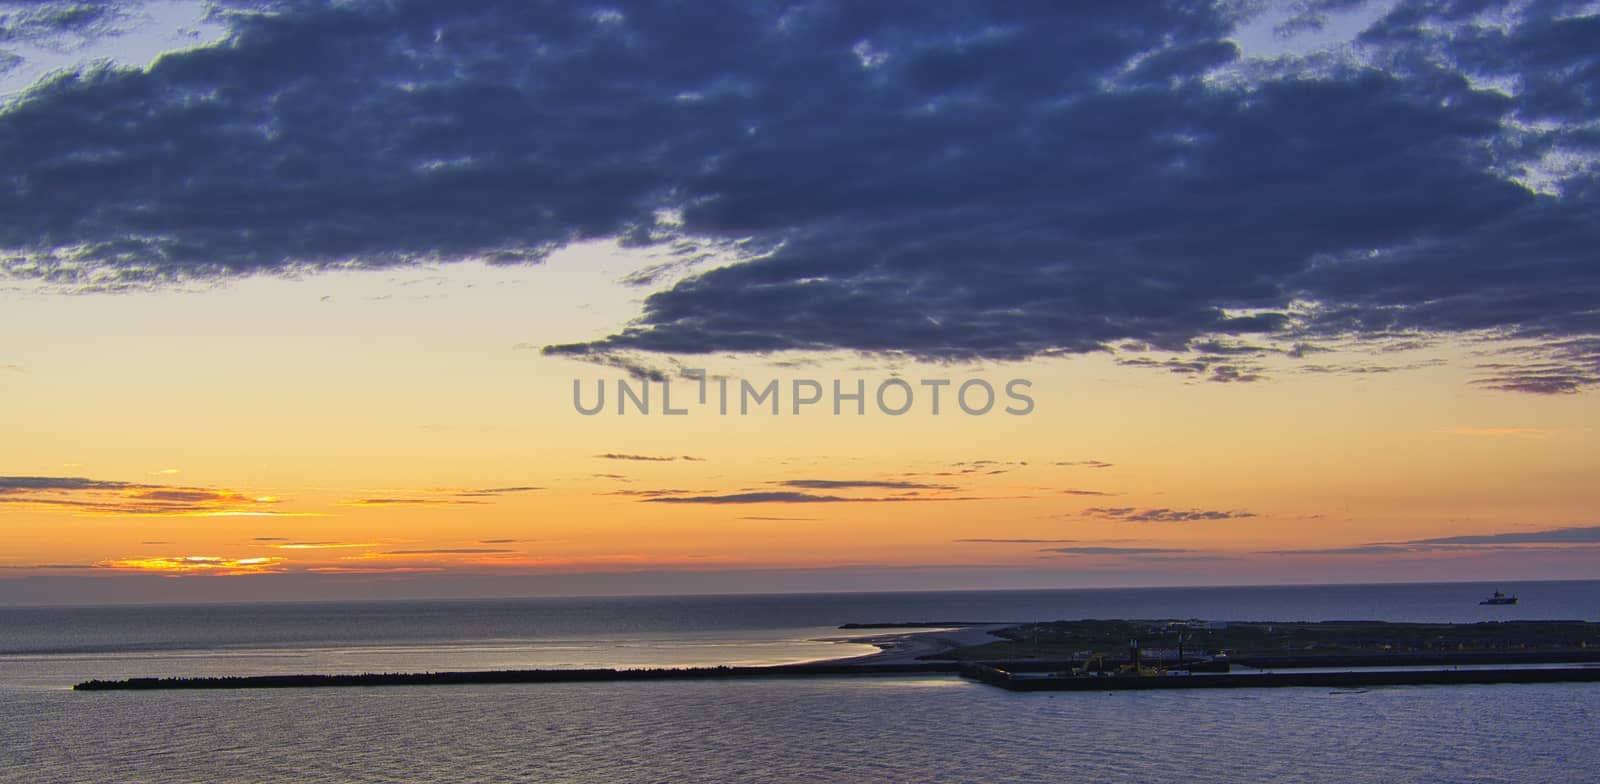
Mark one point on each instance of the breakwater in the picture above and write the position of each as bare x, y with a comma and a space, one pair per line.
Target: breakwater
514, 676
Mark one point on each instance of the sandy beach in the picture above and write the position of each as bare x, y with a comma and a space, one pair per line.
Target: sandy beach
907, 646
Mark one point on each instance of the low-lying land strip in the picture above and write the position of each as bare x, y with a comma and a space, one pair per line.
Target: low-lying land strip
1083, 655
1324, 643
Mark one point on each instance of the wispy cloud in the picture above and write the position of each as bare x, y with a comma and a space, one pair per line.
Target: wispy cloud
774, 497
451, 551
195, 564
1557, 367
493, 492
398, 501
1580, 537
649, 458
319, 545
1203, 367
1095, 550
101, 497
1576, 535
1085, 464
451, 496
1163, 515
1501, 432
1016, 541
786, 497
848, 484
654, 493
373, 569
1363, 549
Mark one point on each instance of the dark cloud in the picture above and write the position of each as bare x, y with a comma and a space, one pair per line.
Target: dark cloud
1163, 515
1088, 492
960, 182
1085, 463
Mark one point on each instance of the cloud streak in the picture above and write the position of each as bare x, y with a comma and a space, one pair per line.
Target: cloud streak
196, 564
648, 458
1577, 537
402, 501
101, 497
791, 497
849, 484
452, 551
1091, 550
1164, 515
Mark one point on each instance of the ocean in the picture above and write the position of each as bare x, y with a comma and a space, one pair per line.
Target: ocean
833, 729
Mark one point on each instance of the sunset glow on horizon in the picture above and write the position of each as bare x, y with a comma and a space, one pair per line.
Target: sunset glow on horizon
1294, 296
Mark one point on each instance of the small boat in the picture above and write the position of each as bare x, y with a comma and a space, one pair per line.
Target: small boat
1499, 598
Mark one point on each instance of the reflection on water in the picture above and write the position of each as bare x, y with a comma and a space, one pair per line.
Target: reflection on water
914, 728
782, 730
55, 671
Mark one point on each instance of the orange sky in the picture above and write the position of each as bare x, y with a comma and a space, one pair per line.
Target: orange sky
394, 426
1306, 292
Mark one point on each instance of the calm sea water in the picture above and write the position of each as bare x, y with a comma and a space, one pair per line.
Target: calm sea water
899, 729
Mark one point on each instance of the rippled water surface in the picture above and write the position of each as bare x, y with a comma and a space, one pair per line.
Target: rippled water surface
939, 729
846, 730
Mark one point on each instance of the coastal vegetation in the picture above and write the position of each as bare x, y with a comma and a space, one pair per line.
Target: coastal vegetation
1163, 639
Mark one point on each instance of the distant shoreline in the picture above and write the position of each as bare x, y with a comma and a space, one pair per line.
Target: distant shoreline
912, 642
987, 652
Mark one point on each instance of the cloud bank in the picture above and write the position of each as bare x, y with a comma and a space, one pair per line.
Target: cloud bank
954, 182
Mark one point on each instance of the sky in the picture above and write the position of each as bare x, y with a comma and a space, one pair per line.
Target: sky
317, 300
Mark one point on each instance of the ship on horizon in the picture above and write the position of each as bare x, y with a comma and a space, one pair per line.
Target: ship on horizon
1499, 598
